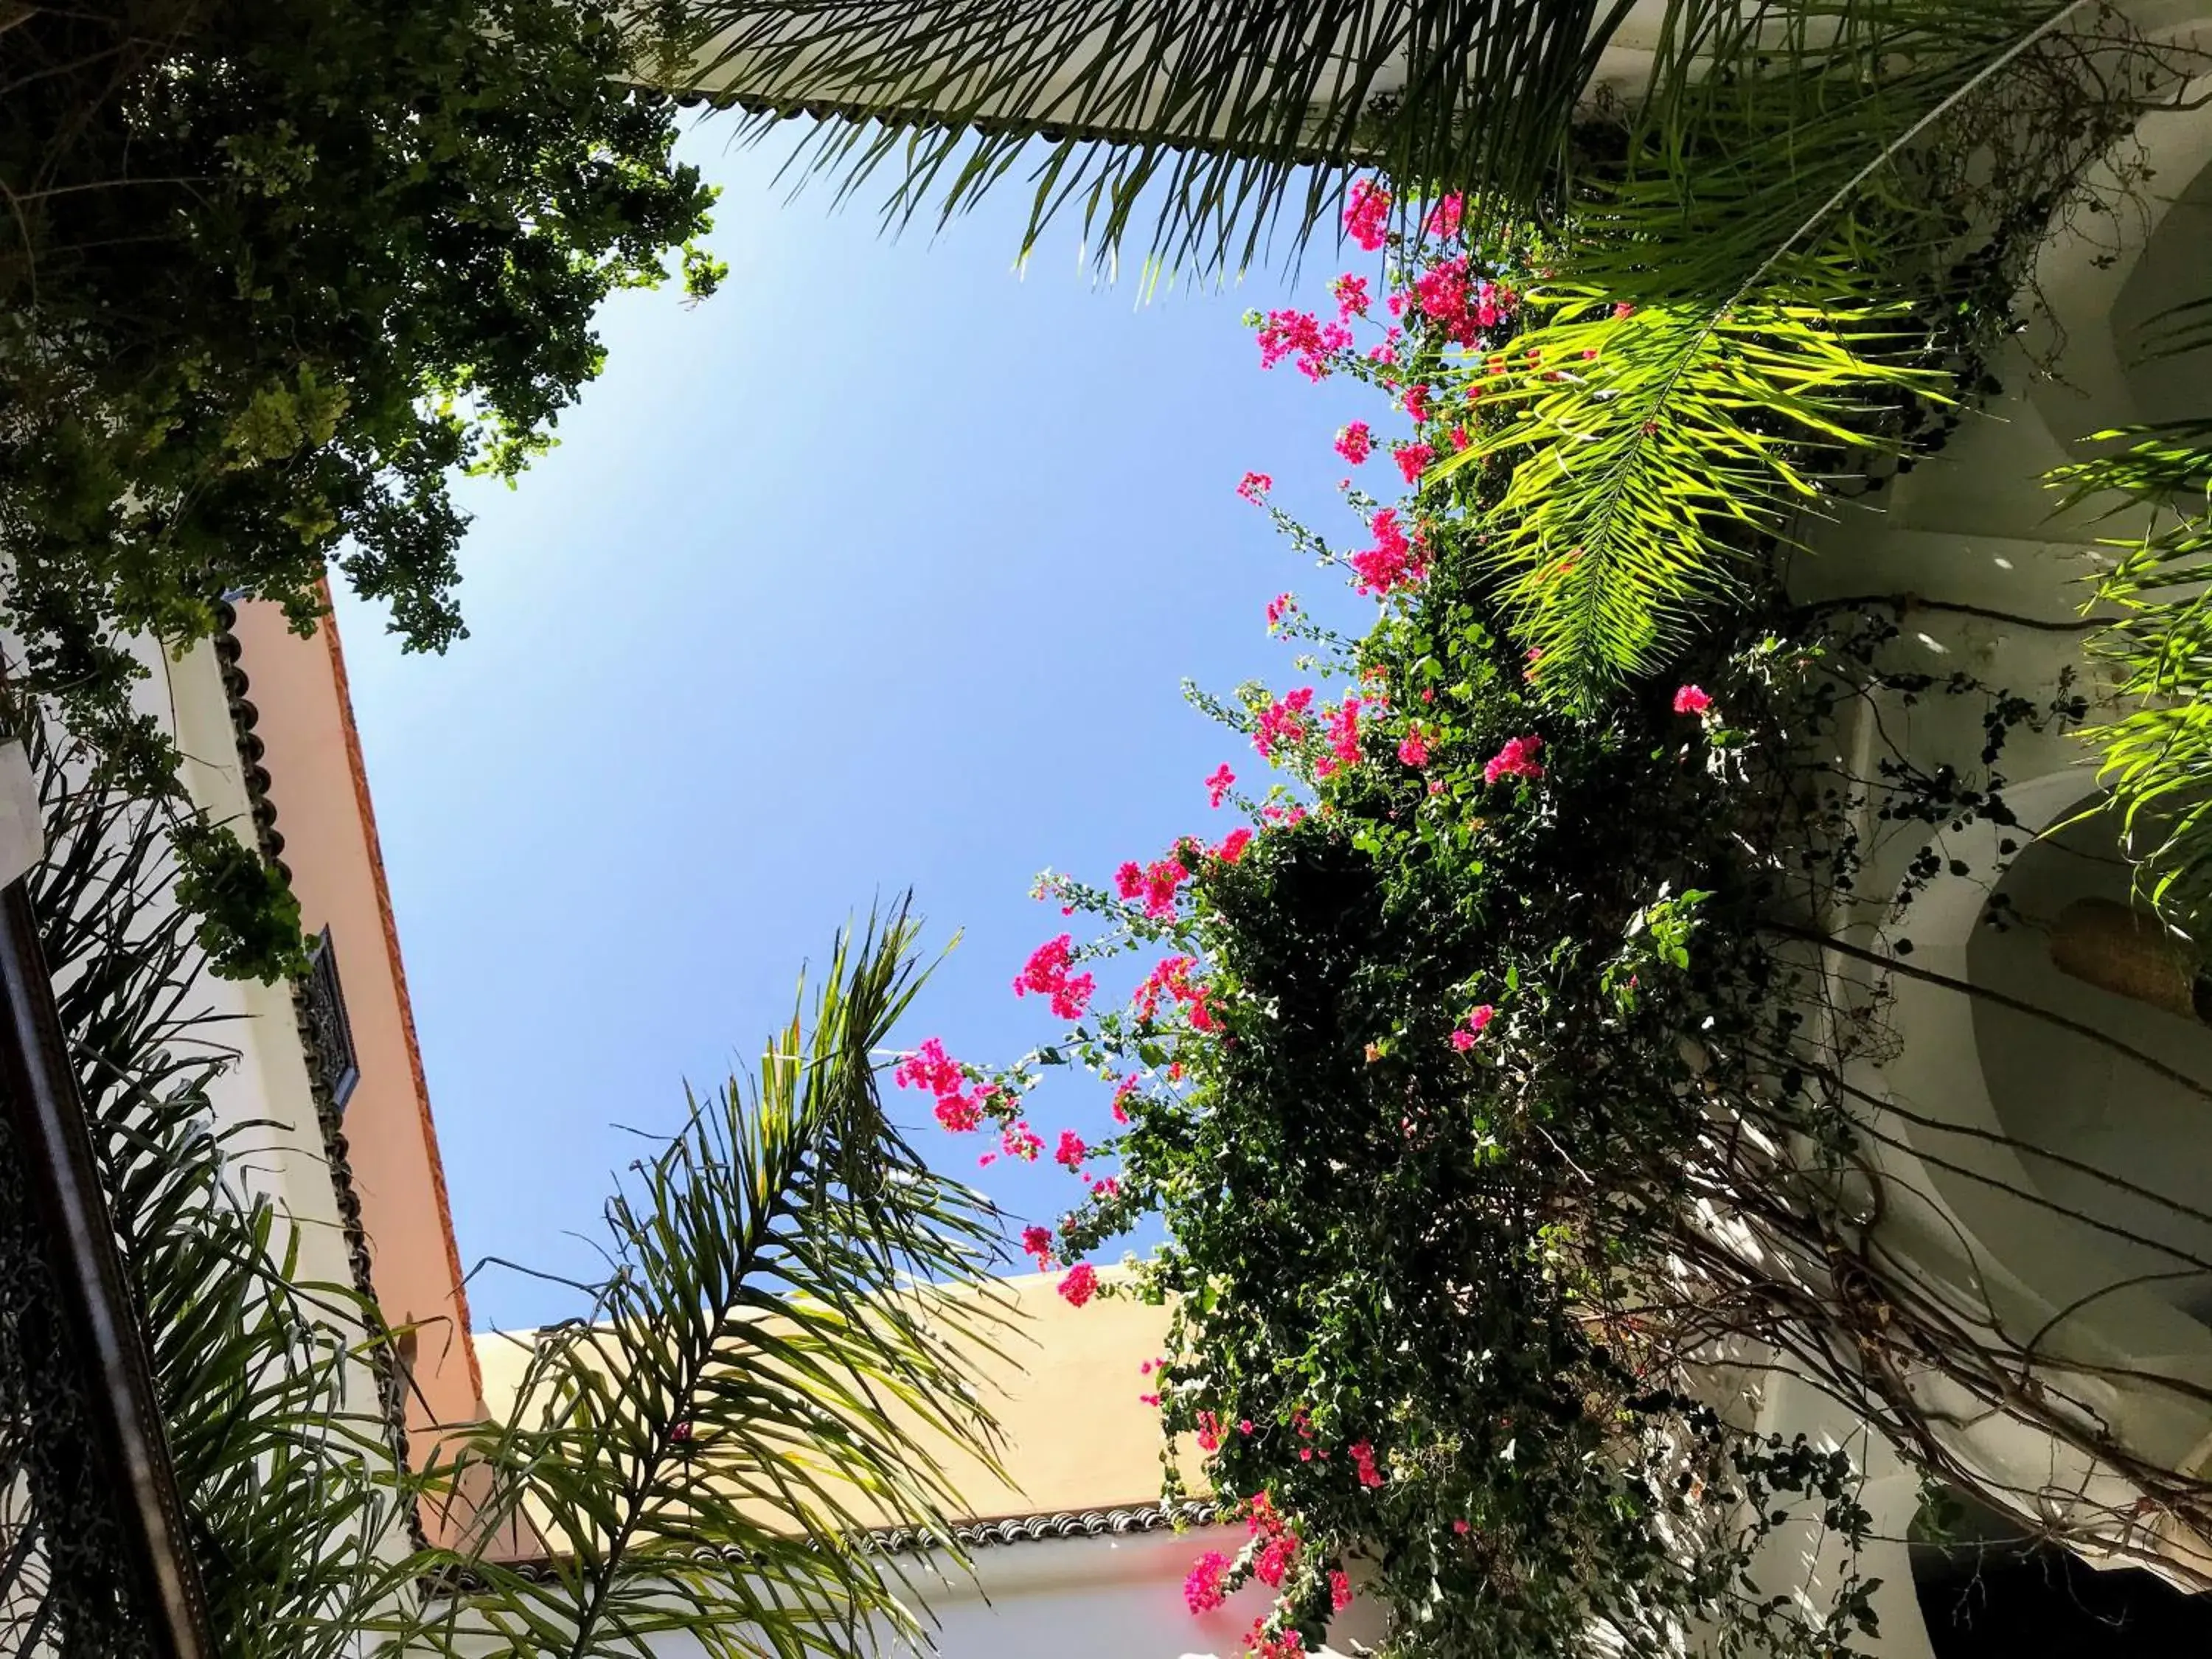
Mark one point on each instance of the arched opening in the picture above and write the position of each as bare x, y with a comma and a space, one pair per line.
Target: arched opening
2066, 935
1987, 1592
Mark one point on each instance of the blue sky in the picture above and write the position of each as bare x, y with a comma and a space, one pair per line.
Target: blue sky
882, 569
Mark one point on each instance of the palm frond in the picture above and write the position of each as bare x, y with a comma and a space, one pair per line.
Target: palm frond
293, 1499
2156, 759
1655, 446
778, 1359
1223, 122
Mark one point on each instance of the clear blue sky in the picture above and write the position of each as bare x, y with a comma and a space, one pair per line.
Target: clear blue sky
881, 569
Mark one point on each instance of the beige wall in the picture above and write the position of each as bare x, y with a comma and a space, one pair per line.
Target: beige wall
1065, 1393
323, 811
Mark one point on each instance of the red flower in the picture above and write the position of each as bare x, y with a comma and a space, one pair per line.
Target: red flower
1037, 1242
1080, 1285
1340, 1590
1517, 760
1691, 700
1071, 1152
1203, 1591
1233, 845
1367, 214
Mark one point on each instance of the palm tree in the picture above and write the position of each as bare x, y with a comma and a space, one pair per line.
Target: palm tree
778, 1357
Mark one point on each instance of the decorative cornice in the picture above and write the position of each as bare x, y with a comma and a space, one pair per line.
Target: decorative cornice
244, 717
1047, 1528
1060, 1526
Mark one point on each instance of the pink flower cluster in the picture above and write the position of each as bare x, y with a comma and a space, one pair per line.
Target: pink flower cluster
1693, 700
1155, 883
1517, 760
1352, 299
1340, 1590
1275, 1559
1037, 1242
1283, 722
1476, 1022
1356, 442
1361, 1453
1413, 460
1206, 1588
1413, 749
1282, 605
1367, 214
1258, 1644
1256, 486
1209, 1432
1046, 972
1170, 977
1417, 402
1343, 735
1301, 333
1396, 559
1127, 1087
1233, 845
1463, 304
1071, 1152
931, 1069
1219, 784
1079, 1285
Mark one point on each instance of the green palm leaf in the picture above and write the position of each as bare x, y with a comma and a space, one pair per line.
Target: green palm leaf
1653, 449
1221, 120
778, 1359
2156, 760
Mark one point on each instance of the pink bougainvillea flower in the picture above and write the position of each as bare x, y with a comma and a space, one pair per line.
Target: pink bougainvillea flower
1071, 1152
1122, 1093
1204, 1589
1276, 1557
1413, 460
1461, 1528
1417, 402
1046, 972
1233, 845
1037, 1242
1351, 294
1170, 977
1283, 722
1443, 218
1340, 1590
1282, 605
1356, 442
1692, 700
931, 1068
1129, 879
1219, 784
957, 1113
1414, 750
1396, 561
1258, 1644
1361, 1453
1367, 214
1343, 736
1105, 1186
1079, 1285
1209, 1432
1517, 760
1385, 354
1018, 1141
1255, 487
1301, 335
1477, 1022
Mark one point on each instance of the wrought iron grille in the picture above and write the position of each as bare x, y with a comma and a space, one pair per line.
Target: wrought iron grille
63, 1564
329, 1029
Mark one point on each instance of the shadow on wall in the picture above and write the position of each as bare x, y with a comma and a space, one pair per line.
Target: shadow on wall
1988, 1593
